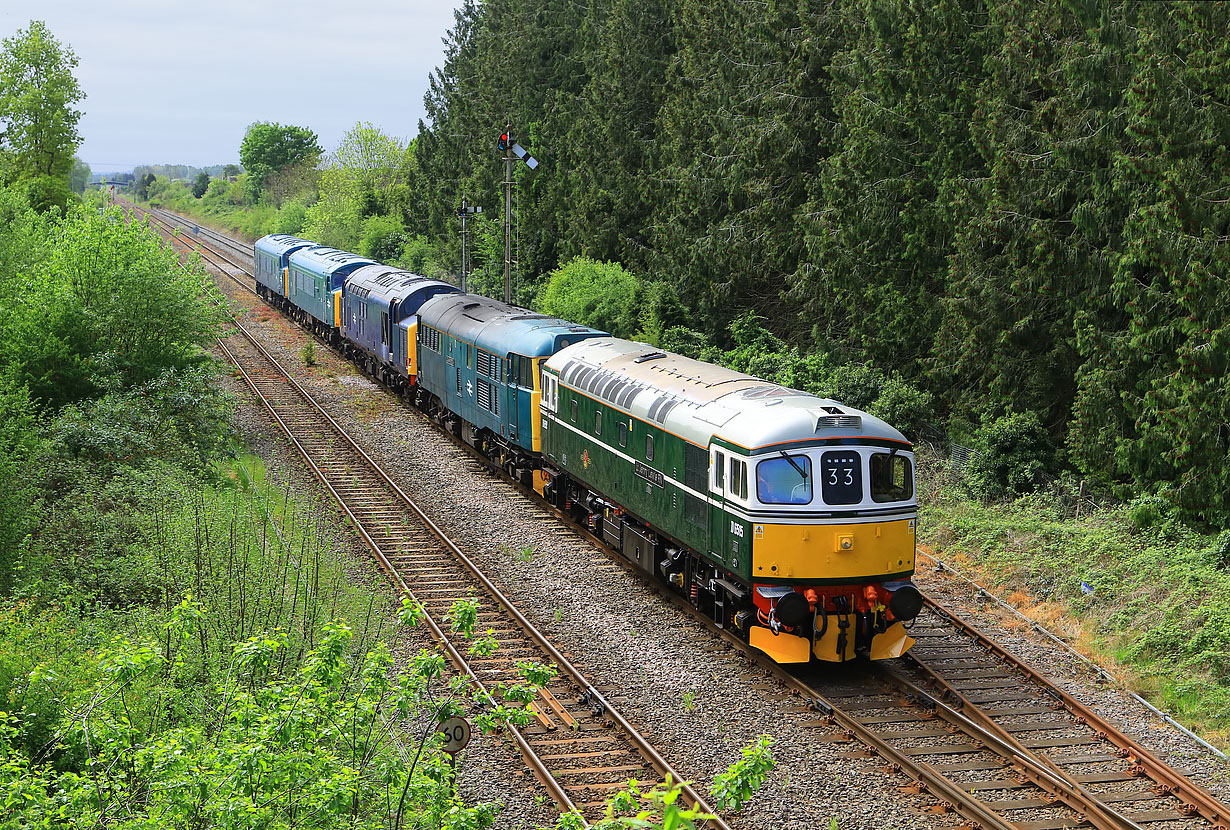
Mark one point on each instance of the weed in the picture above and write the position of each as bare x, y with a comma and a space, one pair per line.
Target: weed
308, 353
525, 553
369, 406
732, 789
559, 615
689, 700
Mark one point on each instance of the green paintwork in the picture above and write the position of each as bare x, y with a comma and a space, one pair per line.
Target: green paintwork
611, 471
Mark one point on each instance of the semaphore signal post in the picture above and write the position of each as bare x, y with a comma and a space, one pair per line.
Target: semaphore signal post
513, 152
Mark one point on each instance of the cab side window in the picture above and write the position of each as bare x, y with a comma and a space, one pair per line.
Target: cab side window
738, 478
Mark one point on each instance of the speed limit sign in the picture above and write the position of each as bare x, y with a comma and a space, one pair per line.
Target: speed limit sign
456, 735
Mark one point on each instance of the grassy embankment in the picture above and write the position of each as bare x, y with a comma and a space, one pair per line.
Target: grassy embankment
1158, 615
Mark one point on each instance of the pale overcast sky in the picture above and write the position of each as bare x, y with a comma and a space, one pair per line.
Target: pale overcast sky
177, 82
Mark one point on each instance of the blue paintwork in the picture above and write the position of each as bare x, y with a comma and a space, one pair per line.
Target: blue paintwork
478, 333
272, 255
315, 273
376, 300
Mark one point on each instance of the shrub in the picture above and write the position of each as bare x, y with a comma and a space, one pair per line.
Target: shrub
46, 192
180, 415
382, 238
290, 218
1219, 553
1014, 456
419, 256
597, 294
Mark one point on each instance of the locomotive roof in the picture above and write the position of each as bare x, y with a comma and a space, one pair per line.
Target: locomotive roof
698, 401
385, 284
278, 244
325, 261
500, 328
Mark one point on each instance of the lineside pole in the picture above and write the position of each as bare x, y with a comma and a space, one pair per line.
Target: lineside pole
508, 184
464, 248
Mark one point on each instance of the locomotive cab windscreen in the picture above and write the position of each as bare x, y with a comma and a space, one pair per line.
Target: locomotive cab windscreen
815, 478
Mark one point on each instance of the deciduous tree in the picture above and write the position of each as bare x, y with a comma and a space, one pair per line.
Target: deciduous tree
80, 175
38, 98
270, 147
598, 294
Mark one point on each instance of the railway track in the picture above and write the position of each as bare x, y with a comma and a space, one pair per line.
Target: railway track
982, 735
242, 251
1002, 746
578, 746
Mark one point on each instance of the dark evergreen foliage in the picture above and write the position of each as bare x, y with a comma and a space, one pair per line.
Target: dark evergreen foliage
1019, 207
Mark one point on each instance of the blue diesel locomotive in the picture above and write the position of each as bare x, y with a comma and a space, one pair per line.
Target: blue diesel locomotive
784, 517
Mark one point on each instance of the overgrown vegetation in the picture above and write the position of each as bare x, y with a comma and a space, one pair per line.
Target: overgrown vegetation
1132, 583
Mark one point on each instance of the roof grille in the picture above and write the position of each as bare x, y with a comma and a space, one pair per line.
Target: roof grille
839, 422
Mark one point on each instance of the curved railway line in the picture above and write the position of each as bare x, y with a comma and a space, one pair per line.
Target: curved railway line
976, 731
579, 746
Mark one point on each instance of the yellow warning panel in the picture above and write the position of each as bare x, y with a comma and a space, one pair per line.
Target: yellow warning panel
845, 551
412, 350
892, 643
826, 646
784, 648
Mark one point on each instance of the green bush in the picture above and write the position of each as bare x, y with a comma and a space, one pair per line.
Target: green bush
598, 294
1219, 551
1150, 511
290, 218
687, 342
382, 238
1014, 456
47, 192
179, 416
420, 257
336, 218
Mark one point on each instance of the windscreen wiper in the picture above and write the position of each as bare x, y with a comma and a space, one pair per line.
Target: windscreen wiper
794, 464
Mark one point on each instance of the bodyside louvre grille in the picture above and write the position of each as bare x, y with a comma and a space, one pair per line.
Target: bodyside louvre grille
487, 397
666, 408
